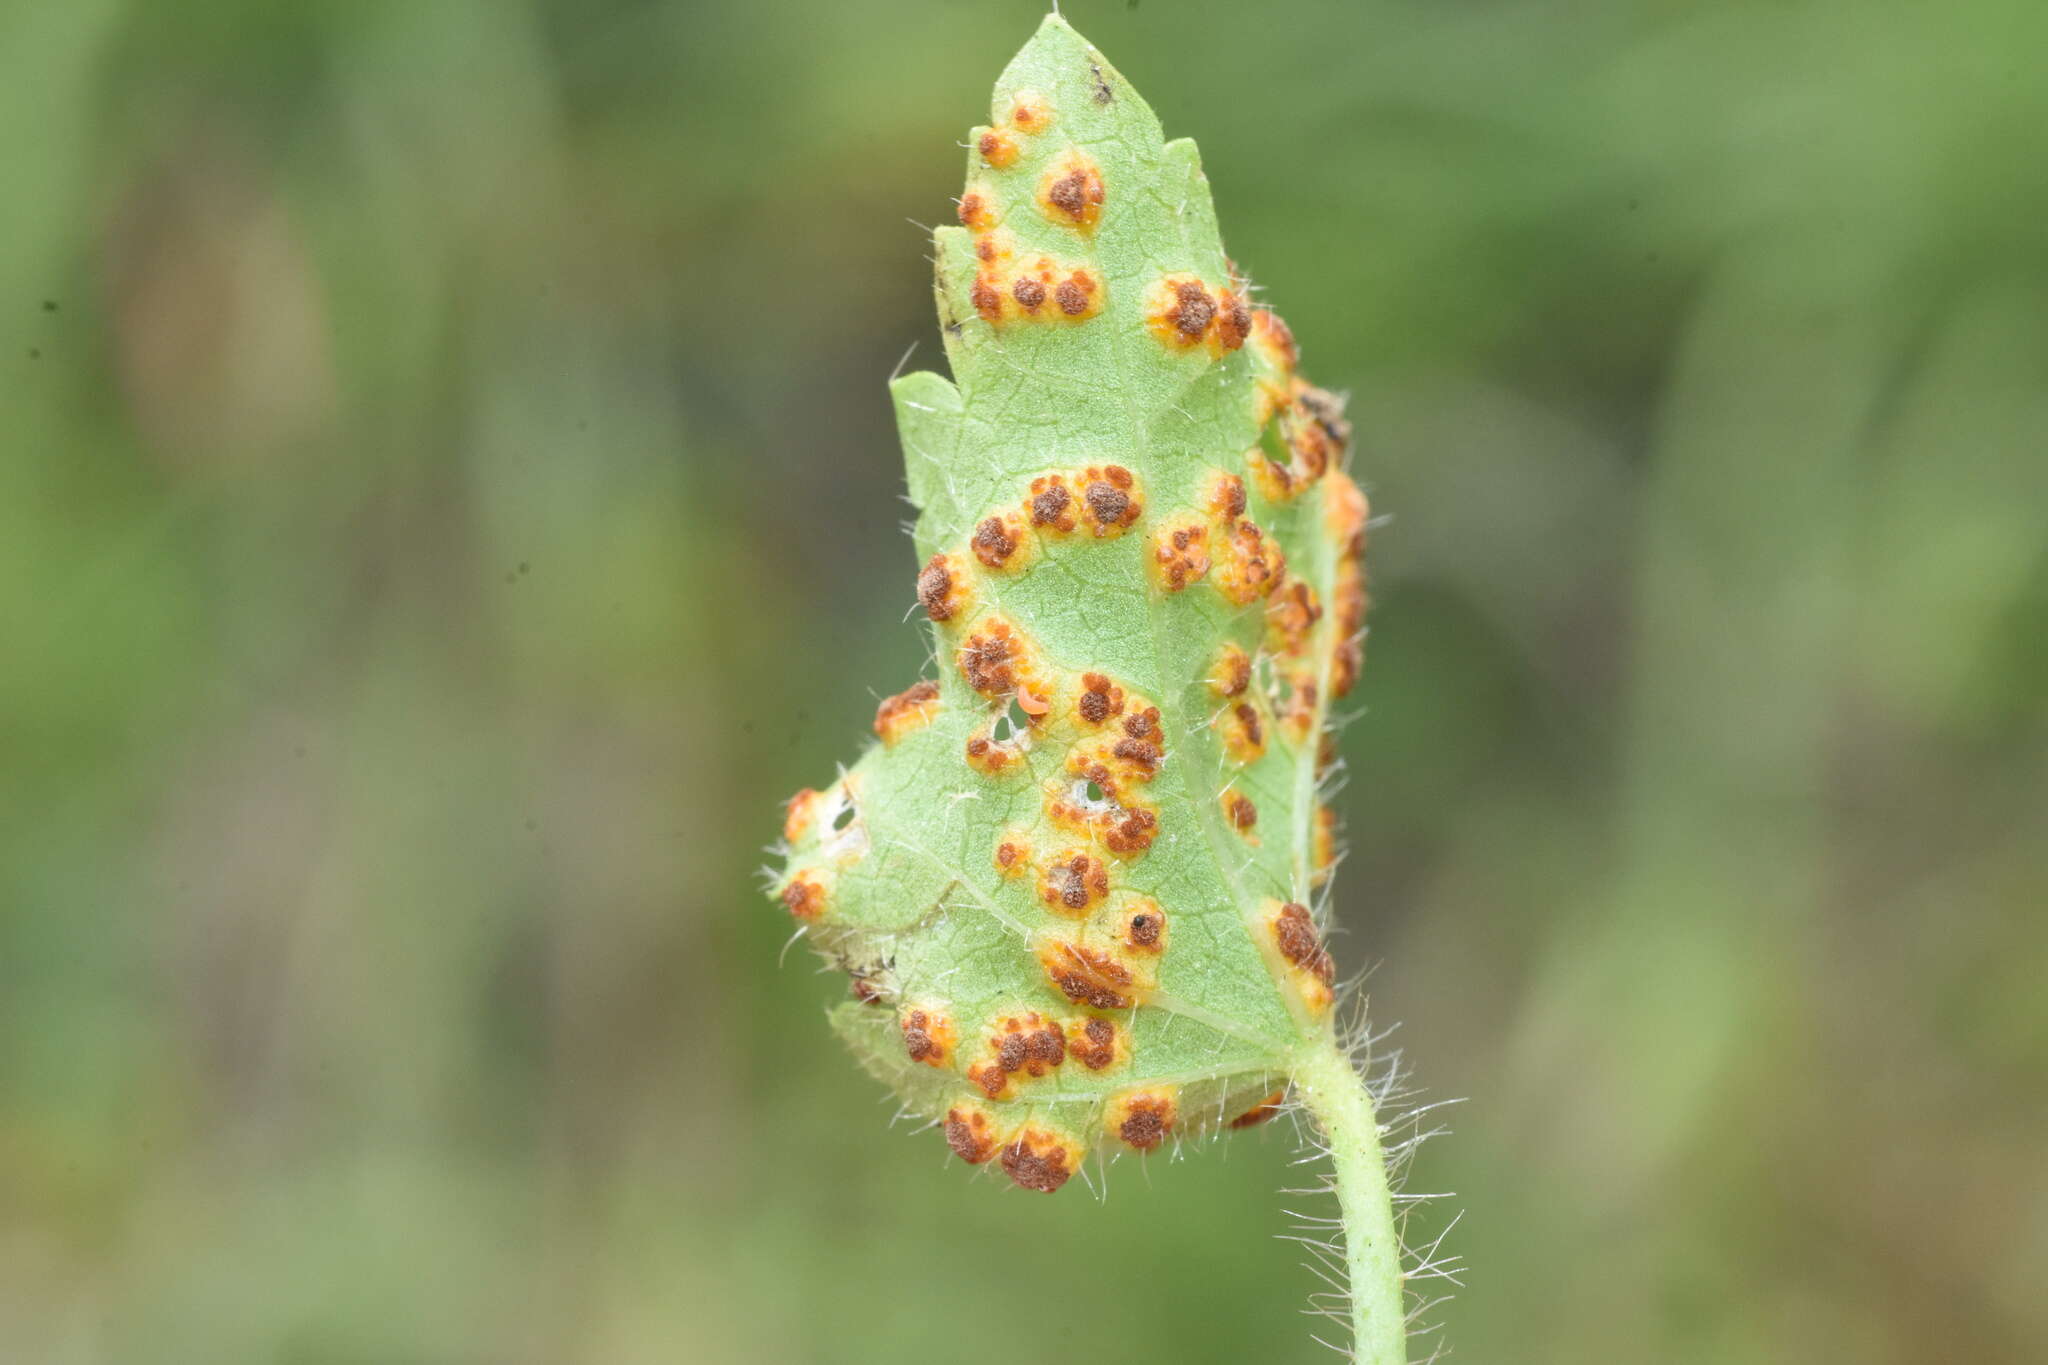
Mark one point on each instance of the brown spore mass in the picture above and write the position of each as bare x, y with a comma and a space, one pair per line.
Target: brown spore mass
1049, 507
971, 1134
993, 544
1093, 1044
1075, 882
1294, 930
1106, 502
935, 589
908, 709
1243, 814
1260, 1112
1038, 1160
1087, 977
924, 1037
1192, 310
804, 898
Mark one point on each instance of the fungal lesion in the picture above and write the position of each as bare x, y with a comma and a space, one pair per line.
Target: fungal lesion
1073, 883
1087, 975
907, 712
1026, 1045
1241, 814
942, 588
1002, 542
1038, 289
1292, 612
1071, 192
928, 1033
1185, 313
999, 661
1143, 1119
1249, 563
1041, 1158
1100, 501
974, 1132
1180, 553
1292, 939
1241, 727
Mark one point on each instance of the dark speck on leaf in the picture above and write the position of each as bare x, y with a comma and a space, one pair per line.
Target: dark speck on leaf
1103, 94
49, 305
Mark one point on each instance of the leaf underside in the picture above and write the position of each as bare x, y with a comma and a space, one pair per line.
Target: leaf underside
1072, 880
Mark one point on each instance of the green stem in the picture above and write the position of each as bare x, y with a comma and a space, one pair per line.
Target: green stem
1333, 1092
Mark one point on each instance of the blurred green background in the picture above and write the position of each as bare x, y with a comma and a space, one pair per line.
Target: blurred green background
448, 498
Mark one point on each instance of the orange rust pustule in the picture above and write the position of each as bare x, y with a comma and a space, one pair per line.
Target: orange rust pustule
1233, 321
1243, 731
1012, 856
1182, 311
1086, 976
1324, 844
1294, 931
1132, 832
907, 711
1315, 429
977, 212
997, 149
1108, 499
986, 755
1230, 673
1126, 828
1071, 193
1040, 290
992, 659
1180, 554
1074, 882
1249, 563
927, 1036
1302, 709
997, 539
1291, 615
1143, 1118
1275, 481
1140, 746
1051, 505
941, 590
1078, 294
972, 1133
1040, 1159
1100, 699
1030, 112
1030, 1044
1144, 929
805, 897
1224, 495
1239, 810
1275, 340
1093, 1043
801, 814
1265, 1109
1346, 512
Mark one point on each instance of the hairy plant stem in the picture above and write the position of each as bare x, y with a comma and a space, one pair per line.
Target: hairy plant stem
1330, 1087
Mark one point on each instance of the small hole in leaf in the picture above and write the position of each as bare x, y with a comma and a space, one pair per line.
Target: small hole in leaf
1095, 791
844, 818
1009, 724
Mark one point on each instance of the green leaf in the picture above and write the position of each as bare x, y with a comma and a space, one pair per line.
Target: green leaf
1071, 879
